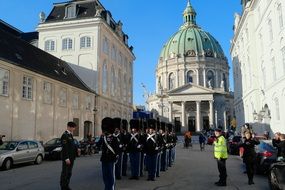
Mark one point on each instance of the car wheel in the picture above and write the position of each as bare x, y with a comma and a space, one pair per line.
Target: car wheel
7, 164
39, 159
273, 180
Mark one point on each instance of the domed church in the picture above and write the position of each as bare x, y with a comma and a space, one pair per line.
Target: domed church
192, 80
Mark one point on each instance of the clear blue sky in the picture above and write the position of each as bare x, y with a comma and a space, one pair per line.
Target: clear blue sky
148, 23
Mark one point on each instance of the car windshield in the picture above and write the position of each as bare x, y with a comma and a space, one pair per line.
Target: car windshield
9, 145
52, 142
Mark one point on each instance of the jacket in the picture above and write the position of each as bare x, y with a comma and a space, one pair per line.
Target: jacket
249, 153
69, 148
220, 148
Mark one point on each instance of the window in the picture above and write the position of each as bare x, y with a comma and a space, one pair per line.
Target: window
273, 69
27, 91
76, 131
225, 86
190, 76
47, 93
75, 101
49, 45
277, 108
70, 11
88, 103
104, 77
270, 30
283, 59
32, 145
280, 16
171, 81
114, 53
210, 79
106, 46
125, 88
85, 42
67, 44
62, 97
113, 82
4, 82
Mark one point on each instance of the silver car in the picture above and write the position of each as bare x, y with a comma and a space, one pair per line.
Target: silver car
16, 152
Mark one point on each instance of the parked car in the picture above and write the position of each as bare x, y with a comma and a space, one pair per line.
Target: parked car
17, 152
53, 148
233, 144
266, 155
276, 176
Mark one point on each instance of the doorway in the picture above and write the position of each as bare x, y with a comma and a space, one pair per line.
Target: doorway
192, 124
206, 123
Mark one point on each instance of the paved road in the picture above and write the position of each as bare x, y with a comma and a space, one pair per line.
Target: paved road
193, 170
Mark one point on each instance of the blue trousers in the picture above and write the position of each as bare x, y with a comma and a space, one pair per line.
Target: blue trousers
167, 160
151, 165
163, 161
170, 157
135, 163
118, 166
158, 164
124, 163
142, 164
108, 170
173, 154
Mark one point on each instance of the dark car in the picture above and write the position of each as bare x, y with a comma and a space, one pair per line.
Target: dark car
53, 148
266, 155
276, 176
233, 144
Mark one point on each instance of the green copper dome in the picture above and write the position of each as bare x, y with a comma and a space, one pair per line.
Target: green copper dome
191, 40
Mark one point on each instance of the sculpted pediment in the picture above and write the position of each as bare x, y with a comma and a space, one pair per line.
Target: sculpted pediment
191, 89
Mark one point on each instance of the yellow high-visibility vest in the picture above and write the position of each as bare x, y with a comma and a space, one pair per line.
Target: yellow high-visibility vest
220, 148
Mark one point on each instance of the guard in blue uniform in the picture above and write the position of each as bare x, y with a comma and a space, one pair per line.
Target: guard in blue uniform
163, 147
110, 150
118, 137
68, 155
151, 149
134, 148
125, 135
159, 145
143, 129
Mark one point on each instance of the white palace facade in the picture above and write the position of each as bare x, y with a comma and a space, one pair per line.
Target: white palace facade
258, 56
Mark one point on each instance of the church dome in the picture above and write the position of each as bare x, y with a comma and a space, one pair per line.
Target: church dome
191, 40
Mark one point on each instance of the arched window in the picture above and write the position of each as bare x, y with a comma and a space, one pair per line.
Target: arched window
171, 81
49, 45
67, 44
113, 76
211, 79
276, 101
104, 77
189, 76
85, 42
280, 16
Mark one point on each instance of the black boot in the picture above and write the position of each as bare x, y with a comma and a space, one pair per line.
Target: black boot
250, 182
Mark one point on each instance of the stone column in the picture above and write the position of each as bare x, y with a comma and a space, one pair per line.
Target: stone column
177, 79
183, 77
216, 118
183, 114
211, 115
198, 77
170, 112
204, 77
198, 116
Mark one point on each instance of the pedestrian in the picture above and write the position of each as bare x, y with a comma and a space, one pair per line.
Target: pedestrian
110, 149
221, 154
68, 154
281, 148
1, 139
202, 140
249, 155
276, 141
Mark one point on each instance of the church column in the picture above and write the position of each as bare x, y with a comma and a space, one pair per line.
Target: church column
177, 79
211, 111
170, 112
198, 77
198, 116
183, 77
183, 114
204, 77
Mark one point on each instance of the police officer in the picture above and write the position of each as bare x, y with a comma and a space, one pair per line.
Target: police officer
151, 149
221, 154
118, 137
68, 154
125, 134
110, 149
134, 148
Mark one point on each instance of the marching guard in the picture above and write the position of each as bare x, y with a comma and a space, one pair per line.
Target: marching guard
125, 135
118, 137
